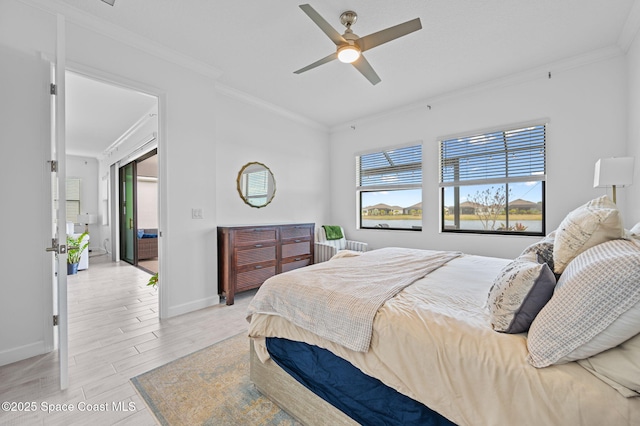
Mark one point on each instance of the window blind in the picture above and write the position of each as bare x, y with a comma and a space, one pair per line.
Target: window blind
400, 167
516, 155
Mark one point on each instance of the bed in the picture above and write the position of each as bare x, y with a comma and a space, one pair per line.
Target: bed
550, 337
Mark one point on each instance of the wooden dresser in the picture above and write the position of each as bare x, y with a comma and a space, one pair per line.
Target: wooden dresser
248, 255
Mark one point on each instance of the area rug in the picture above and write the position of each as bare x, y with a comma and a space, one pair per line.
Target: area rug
209, 387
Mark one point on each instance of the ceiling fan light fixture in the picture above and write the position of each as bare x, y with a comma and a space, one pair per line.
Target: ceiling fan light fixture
348, 54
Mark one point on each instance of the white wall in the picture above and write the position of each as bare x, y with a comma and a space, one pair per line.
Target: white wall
296, 154
586, 107
26, 305
633, 142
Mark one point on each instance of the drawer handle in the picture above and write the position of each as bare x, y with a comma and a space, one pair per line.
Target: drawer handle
298, 258
259, 267
297, 241
258, 245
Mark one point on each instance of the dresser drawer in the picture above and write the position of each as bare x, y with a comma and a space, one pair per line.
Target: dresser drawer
295, 231
252, 236
247, 256
298, 248
254, 277
295, 263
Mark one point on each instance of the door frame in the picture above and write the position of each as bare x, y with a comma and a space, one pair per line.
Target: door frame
161, 146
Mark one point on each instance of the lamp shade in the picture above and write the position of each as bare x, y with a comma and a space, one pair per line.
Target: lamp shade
87, 219
615, 171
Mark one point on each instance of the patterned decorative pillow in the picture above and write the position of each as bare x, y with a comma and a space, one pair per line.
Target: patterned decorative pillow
519, 292
543, 249
619, 367
595, 306
589, 225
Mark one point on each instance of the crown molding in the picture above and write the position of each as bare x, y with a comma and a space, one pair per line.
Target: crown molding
255, 101
509, 80
631, 26
124, 36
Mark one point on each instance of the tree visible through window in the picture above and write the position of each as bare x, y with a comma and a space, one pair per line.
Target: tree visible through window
389, 184
494, 182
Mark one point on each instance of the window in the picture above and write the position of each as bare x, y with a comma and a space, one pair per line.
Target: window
389, 186
494, 182
73, 199
72, 203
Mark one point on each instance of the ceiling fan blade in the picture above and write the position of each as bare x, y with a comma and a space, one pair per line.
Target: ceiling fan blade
323, 24
376, 39
366, 69
317, 63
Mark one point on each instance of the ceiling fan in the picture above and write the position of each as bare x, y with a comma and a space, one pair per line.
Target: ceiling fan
349, 46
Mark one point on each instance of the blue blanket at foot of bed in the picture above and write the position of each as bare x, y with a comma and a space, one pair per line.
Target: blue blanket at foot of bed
363, 398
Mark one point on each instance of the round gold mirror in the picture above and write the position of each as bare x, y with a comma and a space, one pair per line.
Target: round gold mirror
256, 184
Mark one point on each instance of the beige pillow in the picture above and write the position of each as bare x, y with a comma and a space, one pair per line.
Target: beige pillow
587, 226
619, 367
595, 306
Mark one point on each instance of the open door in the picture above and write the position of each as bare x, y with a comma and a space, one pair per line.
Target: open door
58, 203
127, 213
138, 199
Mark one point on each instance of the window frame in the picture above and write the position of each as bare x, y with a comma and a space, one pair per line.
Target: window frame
502, 181
415, 184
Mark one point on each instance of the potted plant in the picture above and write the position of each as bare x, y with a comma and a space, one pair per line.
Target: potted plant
153, 281
75, 248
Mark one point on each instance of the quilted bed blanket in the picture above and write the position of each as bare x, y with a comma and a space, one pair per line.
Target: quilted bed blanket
338, 300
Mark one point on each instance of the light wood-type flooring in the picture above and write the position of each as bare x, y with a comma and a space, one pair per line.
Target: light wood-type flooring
114, 335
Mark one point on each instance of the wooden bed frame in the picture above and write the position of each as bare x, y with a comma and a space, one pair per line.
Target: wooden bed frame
274, 383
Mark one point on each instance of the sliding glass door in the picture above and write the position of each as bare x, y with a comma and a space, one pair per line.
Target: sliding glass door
127, 213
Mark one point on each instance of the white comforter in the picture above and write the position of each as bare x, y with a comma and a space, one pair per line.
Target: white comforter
433, 342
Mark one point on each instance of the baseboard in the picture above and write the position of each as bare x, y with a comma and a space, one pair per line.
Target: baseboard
12, 355
193, 306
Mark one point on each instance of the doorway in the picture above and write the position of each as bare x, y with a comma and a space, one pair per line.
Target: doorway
138, 186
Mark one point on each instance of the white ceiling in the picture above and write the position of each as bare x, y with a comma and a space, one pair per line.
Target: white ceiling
98, 114
256, 45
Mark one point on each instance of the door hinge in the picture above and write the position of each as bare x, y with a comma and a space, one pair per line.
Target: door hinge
53, 89
55, 320
54, 166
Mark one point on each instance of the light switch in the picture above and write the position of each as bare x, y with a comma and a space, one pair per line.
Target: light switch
197, 214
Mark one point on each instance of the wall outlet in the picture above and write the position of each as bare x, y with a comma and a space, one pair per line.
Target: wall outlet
197, 214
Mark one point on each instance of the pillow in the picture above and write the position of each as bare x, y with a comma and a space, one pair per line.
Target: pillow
587, 226
618, 367
518, 293
633, 232
594, 307
543, 249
